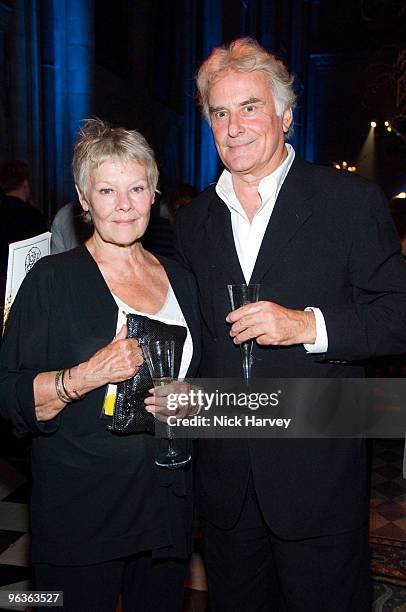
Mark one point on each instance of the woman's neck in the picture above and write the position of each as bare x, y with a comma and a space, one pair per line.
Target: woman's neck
105, 253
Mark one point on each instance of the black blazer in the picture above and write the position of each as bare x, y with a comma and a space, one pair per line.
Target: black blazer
96, 496
330, 243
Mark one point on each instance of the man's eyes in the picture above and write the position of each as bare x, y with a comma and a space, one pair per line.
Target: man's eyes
105, 190
220, 114
246, 110
138, 189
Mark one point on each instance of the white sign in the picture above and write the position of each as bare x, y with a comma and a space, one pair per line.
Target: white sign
22, 256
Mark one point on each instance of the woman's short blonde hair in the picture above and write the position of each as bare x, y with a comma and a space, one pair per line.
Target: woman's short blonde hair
99, 142
246, 55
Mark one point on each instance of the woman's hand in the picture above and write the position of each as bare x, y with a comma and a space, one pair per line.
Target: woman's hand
170, 400
117, 361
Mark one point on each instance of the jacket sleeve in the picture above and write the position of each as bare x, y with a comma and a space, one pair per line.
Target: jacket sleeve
23, 351
375, 322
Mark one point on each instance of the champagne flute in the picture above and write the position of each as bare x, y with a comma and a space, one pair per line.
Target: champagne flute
240, 295
160, 358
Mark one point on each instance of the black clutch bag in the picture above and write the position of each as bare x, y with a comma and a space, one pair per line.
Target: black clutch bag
130, 415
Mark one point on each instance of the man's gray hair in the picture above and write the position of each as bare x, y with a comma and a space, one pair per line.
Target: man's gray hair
246, 55
99, 142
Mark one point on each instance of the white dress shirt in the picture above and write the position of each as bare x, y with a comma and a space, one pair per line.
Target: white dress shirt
248, 236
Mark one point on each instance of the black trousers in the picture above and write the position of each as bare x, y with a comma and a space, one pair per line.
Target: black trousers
156, 585
250, 569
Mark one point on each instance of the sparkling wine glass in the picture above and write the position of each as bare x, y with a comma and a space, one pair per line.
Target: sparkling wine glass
240, 295
160, 358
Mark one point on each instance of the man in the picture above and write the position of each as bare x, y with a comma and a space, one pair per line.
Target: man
68, 228
19, 219
285, 521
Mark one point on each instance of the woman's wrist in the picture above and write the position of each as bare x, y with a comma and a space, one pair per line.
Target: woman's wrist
69, 385
47, 402
60, 390
82, 378
76, 381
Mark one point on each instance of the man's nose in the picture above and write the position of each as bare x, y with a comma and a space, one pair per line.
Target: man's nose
235, 127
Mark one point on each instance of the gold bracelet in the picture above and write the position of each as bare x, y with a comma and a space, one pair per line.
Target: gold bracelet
65, 399
74, 391
66, 392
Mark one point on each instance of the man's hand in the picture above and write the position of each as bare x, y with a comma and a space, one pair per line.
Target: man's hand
271, 324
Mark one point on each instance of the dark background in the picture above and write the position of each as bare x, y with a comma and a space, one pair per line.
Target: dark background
133, 63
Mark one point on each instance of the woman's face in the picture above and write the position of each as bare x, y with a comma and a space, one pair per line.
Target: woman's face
119, 201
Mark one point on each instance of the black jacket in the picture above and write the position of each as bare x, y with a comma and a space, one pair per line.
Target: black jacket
96, 496
330, 243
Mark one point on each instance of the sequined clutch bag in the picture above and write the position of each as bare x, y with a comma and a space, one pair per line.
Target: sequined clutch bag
130, 415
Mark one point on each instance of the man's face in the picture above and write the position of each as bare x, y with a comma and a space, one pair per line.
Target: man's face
249, 136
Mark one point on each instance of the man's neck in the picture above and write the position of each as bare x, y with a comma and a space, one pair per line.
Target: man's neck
246, 186
248, 196
19, 192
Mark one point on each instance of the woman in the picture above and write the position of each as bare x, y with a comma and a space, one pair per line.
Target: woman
105, 519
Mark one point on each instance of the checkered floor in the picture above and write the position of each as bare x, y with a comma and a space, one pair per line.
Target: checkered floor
388, 491
387, 529
15, 571
388, 512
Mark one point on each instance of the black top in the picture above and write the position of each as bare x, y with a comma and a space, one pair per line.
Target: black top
96, 496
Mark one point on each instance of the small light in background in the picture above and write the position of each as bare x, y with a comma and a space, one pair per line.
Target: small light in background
373, 124
344, 166
386, 123
389, 129
400, 196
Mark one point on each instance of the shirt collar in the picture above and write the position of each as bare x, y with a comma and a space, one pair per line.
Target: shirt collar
269, 187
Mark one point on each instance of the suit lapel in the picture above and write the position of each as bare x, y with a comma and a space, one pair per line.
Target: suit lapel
292, 209
222, 255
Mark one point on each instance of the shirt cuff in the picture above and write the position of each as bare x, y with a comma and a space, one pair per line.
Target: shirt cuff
321, 343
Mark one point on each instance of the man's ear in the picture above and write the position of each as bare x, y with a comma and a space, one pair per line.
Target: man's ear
82, 200
287, 120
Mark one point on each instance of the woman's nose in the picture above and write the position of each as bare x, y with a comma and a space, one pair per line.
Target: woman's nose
124, 202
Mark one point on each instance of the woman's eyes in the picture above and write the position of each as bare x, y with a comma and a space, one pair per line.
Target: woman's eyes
109, 190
